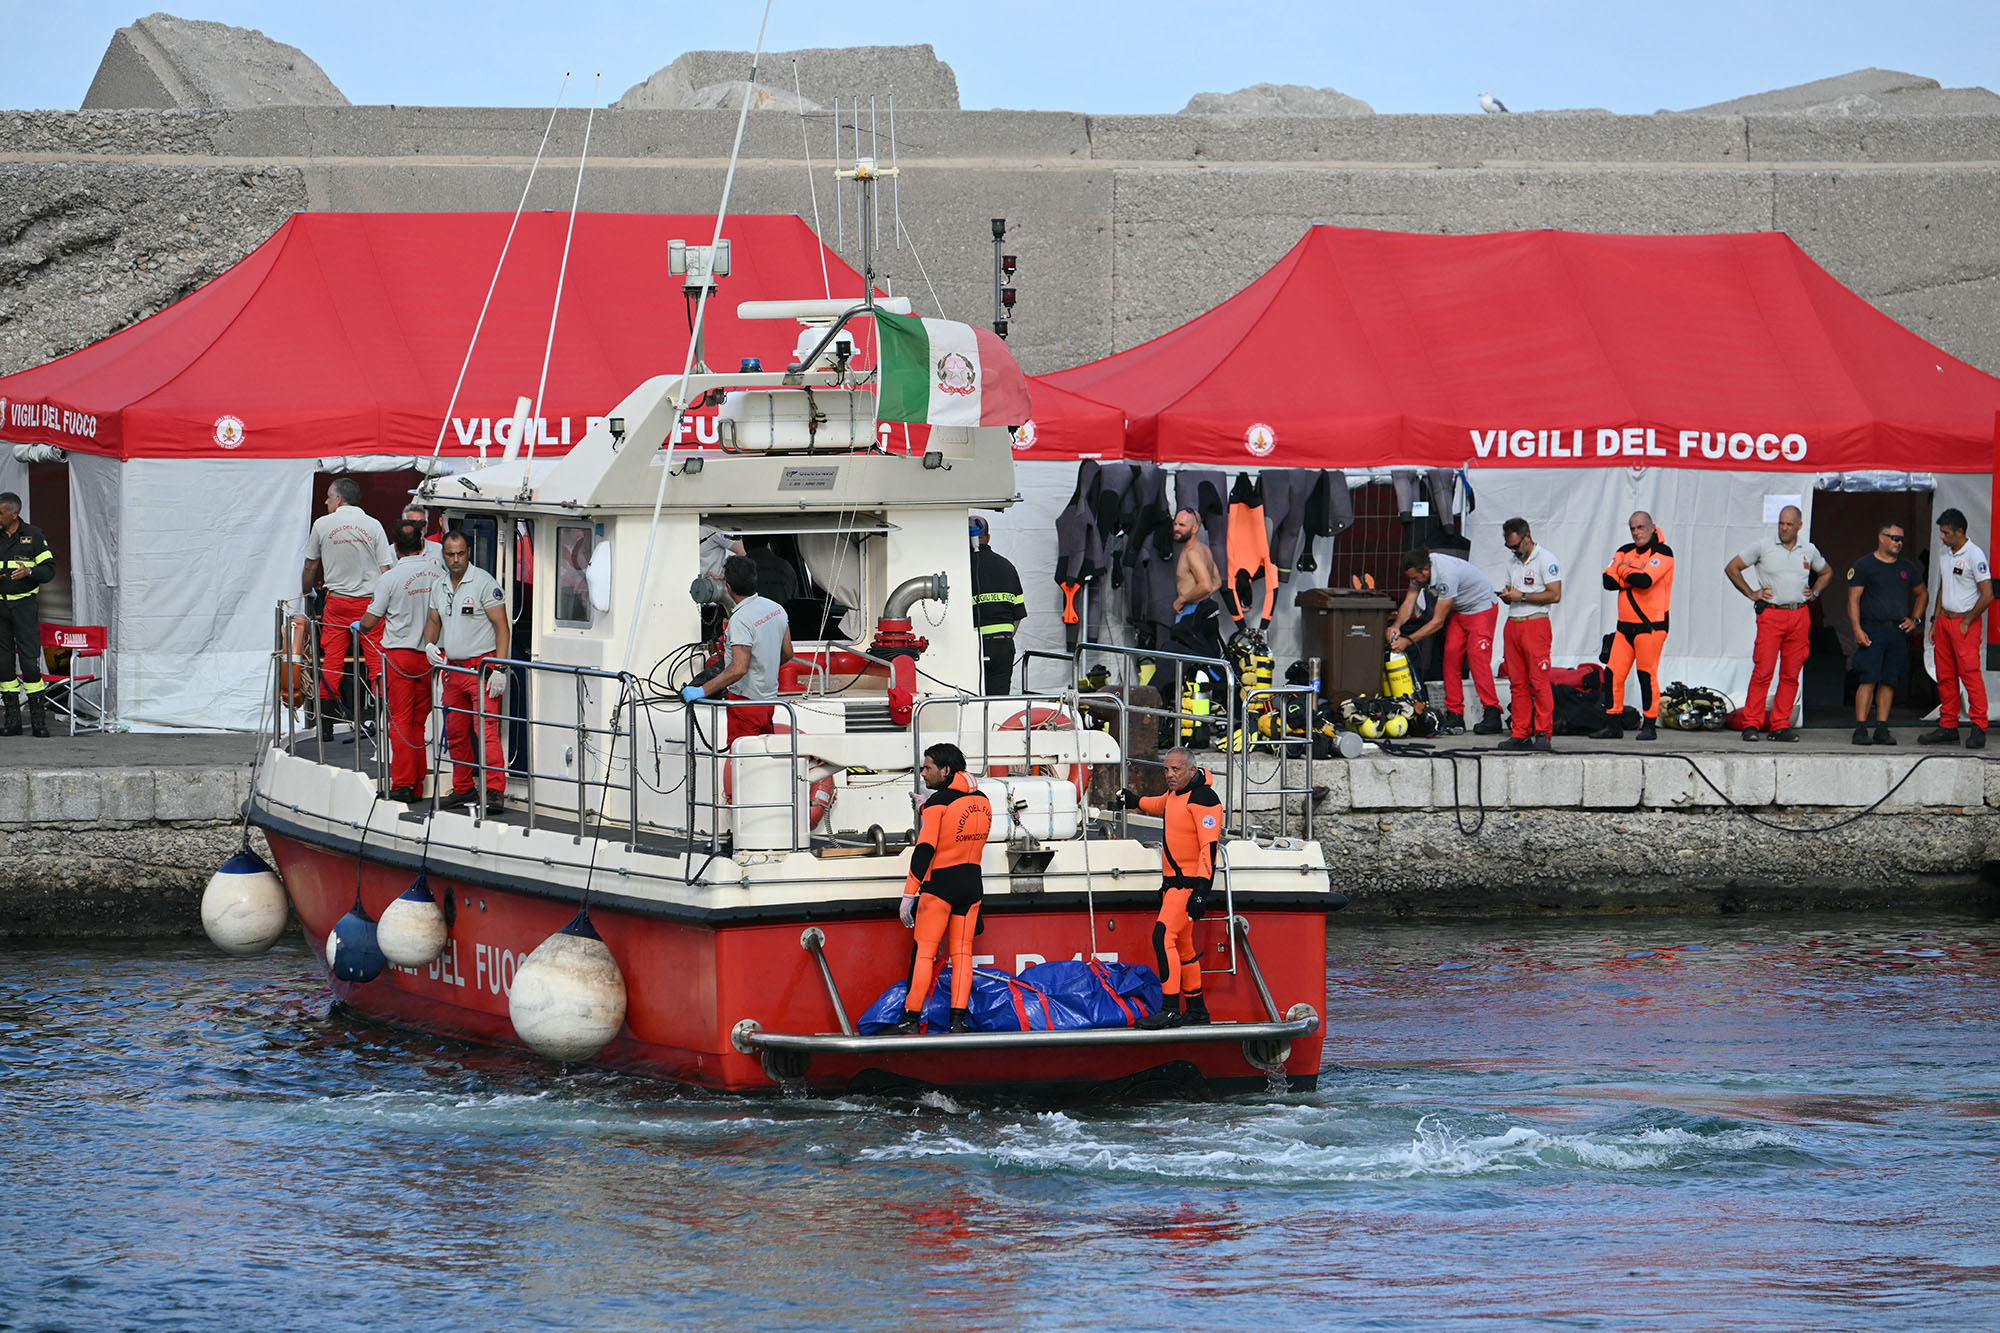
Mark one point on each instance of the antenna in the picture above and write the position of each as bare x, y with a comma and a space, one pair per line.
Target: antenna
562, 271
897, 183
445, 423
874, 151
839, 207
825, 282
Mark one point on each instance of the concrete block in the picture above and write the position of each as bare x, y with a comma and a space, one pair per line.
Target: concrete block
1825, 780
1949, 138
199, 794
127, 794
1938, 781
64, 796
1428, 140
1380, 783
1554, 780
1612, 782
167, 62
1991, 771
915, 73
14, 797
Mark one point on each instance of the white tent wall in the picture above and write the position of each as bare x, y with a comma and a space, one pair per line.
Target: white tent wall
14, 477
1705, 517
186, 561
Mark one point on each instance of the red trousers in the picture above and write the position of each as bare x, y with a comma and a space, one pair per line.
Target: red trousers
334, 636
1781, 648
1469, 637
751, 720
1528, 674
1958, 651
465, 695
407, 682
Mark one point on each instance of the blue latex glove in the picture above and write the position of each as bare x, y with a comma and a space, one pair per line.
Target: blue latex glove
692, 694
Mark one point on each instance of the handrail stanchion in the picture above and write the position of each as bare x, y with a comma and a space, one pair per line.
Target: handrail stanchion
628, 692
813, 941
1241, 929
582, 758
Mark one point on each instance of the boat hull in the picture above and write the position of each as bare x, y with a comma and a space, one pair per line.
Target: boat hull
689, 983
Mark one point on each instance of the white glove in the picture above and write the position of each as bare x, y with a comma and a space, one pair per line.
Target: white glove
909, 911
496, 684
434, 654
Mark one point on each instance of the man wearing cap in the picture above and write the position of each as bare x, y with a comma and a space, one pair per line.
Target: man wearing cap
1783, 566
401, 605
998, 607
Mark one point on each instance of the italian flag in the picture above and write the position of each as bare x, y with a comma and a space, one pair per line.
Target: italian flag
945, 374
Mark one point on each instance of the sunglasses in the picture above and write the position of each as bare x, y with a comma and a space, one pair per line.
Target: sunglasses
1895, 537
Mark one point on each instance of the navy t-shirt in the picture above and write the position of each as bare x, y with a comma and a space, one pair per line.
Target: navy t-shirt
1885, 588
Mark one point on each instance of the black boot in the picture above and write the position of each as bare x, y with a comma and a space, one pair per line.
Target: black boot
1612, 730
12, 726
38, 717
1168, 1015
1647, 731
1195, 1011
961, 1020
912, 1020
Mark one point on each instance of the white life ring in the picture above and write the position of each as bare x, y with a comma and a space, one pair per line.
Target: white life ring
1037, 717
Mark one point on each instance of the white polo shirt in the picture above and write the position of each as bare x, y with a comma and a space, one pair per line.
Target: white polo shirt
351, 549
1469, 590
1961, 571
465, 632
1534, 574
403, 600
1786, 571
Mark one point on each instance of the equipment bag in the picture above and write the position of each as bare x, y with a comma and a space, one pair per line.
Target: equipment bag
1095, 994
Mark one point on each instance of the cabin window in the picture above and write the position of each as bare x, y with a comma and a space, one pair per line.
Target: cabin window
574, 544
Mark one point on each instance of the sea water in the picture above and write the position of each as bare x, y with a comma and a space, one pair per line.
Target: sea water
1783, 1122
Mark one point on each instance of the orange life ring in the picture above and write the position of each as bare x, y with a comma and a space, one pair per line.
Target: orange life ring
295, 685
1039, 718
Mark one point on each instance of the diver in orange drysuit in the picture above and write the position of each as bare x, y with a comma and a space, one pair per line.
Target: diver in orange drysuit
943, 892
1642, 574
1191, 815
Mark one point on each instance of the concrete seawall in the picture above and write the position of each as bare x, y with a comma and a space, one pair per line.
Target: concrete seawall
115, 836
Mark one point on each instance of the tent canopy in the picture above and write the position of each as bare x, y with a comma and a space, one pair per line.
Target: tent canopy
345, 333
1068, 425
1544, 349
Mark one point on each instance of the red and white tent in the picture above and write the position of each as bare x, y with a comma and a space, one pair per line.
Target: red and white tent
1575, 377
194, 435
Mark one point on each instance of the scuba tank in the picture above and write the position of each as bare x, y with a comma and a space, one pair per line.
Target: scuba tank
1196, 707
1398, 682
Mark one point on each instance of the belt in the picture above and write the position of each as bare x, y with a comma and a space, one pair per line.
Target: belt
1762, 607
1532, 615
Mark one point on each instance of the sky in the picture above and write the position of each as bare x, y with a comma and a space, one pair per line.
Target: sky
1108, 57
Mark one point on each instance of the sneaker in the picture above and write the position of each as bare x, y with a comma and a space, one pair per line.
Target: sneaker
1784, 735
406, 795
1454, 724
1542, 743
1939, 736
1613, 730
1515, 743
1884, 736
1163, 1017
1489, 725
496, 802
1861, 735
455, 800
1647, 731
1977, 739
1752, 734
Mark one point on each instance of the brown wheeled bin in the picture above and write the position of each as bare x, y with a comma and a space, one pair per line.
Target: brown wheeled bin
1348, 631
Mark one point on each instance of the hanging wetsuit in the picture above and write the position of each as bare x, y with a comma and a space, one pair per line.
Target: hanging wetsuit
944, 880
1249, 550
1643, 578
1079, 549
1150, 554
1287, 493
1191, 825
1329, 512
1206, 491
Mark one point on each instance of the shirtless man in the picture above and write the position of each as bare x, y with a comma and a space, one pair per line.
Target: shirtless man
1196, 630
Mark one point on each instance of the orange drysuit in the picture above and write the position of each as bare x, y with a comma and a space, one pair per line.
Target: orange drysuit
1192, 819
944, 870
1643, 578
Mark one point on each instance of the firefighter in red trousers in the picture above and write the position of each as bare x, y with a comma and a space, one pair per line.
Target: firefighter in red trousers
467, 623
402, 604
943, 893
349, 549
1191, 817
1642, 574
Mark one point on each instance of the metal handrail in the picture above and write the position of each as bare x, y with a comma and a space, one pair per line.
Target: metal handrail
1233, 703
1287, 746
716, 754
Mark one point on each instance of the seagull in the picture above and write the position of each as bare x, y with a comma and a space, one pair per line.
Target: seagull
1490, 104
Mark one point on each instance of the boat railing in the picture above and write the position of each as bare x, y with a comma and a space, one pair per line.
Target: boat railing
586, 749
718, 780
1018, 713
1177, 713
1289, 709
